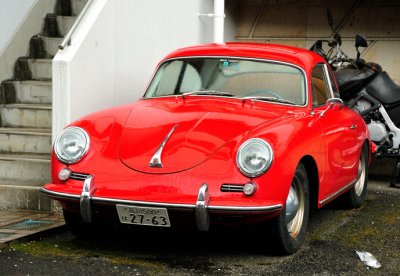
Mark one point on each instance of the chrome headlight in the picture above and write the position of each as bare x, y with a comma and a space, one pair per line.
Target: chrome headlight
71, 145
254, 157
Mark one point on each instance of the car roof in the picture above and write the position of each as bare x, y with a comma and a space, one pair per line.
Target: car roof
294, 55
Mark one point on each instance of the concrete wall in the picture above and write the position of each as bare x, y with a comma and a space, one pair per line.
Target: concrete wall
20, 20
115, 50
300, 23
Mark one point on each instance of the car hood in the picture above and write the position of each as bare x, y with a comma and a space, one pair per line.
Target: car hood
184, 134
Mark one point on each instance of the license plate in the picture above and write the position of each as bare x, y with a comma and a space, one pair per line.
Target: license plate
143, 215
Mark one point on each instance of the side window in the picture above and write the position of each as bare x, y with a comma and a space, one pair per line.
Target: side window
320, 91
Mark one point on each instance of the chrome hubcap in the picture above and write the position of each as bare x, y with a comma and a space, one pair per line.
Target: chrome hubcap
295, 208
359, 186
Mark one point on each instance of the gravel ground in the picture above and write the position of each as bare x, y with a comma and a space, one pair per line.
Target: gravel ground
333, 238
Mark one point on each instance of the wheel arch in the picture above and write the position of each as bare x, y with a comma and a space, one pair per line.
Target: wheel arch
313, 179
368, 142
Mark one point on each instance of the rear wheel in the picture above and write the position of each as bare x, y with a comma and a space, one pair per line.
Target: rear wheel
289, 228
356, 195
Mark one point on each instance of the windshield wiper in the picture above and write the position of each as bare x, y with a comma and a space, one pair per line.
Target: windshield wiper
268, 99
208, 92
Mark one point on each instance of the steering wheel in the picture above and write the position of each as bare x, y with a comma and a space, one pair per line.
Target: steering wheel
263, 92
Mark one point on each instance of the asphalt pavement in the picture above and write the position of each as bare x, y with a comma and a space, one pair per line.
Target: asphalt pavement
334, 236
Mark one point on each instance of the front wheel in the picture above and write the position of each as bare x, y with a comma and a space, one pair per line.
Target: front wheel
289, 228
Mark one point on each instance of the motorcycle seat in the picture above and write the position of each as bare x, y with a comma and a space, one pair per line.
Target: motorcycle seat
351, 80
384, 89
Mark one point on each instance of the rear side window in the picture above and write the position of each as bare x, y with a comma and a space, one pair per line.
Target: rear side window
320, 90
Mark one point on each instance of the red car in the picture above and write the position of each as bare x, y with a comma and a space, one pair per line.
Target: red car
234, 133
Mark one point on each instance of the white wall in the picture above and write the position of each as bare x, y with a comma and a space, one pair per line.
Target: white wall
12, 14
115, 50
83, 73
20, 20
147, 32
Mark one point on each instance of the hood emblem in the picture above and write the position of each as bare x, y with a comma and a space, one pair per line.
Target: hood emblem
156, 159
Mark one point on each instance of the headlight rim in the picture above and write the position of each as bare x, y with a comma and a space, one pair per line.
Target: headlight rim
240, 150
58, 138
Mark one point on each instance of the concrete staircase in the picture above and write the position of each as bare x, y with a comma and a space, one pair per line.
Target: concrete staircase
25, 115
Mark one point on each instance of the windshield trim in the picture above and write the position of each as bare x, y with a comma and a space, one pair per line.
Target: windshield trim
233, 57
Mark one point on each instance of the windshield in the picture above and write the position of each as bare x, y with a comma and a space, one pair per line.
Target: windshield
229, 77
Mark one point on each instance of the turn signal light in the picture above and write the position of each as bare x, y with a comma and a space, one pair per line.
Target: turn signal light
64, 174
249, 188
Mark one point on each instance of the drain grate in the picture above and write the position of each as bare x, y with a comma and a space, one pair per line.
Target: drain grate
5, 235
28, 224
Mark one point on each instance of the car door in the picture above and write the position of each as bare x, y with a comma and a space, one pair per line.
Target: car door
339, 125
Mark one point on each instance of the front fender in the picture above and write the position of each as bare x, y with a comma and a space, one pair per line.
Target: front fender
291, 139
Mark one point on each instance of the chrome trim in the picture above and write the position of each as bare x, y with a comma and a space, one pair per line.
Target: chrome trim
270, 208
79, 176
292, 204
86, 196
202, 217
144, 203
322, 202
328, 79
235, 188
156, 159
239, 58
57, 194
331, 101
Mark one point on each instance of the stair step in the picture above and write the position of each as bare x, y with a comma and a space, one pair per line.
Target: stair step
41, 69
26, 131
65, 23
77, 6
35, 158
25, 167
33, 91
29, 106
23, 195
25, 140
26, 115
51, 45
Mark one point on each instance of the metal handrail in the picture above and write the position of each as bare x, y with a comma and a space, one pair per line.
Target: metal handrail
67, 38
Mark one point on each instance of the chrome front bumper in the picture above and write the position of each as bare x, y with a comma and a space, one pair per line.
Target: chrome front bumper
201, 207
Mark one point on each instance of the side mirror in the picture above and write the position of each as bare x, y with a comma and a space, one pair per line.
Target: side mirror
361, 41
333, 103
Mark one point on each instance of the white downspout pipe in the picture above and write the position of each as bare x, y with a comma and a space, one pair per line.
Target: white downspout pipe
219, 15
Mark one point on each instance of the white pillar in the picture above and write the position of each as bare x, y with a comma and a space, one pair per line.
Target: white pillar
219, 15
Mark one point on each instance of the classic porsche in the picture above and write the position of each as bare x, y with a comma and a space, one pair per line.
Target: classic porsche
234, 133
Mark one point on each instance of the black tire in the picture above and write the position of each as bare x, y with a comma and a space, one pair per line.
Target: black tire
76, 225
356, 195
289, 229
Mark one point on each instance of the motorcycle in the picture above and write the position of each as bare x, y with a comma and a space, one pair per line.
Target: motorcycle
368, 90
